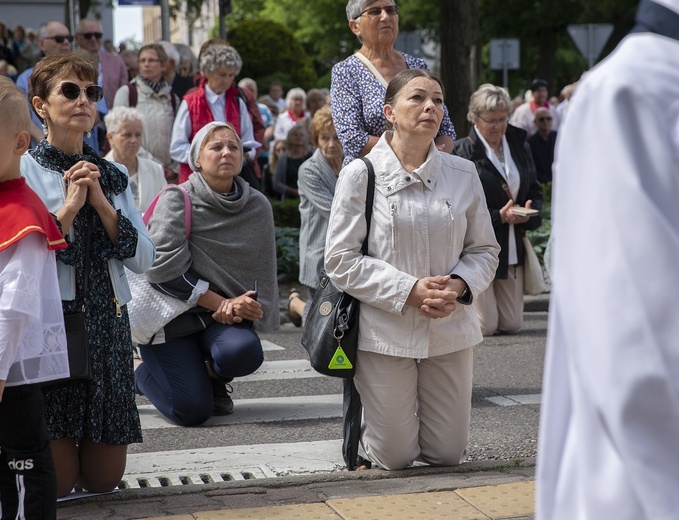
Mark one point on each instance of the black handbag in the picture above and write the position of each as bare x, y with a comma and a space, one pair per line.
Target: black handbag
330, 334
77, 339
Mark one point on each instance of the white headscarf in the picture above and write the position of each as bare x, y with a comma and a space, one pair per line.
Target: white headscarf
198, 139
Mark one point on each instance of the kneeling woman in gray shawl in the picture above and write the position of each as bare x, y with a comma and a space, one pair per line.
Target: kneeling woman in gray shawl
232, 247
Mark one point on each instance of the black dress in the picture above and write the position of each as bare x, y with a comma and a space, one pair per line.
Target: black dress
103, 409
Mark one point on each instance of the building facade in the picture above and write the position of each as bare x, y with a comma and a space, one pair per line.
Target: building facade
182, 29
32, 13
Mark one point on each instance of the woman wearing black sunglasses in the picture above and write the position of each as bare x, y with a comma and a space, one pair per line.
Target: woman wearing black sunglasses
90, 422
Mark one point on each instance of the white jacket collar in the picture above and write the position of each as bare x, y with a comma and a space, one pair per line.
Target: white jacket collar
390, 174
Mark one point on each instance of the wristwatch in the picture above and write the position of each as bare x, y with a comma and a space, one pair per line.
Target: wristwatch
466, 297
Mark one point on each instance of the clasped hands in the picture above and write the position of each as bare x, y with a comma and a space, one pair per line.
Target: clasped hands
82, 181
238, 309
435, 296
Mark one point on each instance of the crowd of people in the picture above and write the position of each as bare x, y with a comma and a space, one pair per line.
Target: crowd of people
109, 128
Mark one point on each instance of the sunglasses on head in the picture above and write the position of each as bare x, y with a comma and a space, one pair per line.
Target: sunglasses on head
72, 91
59, 38
89, 36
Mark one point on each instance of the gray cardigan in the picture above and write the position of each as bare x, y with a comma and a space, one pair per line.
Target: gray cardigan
232, 242
316, 185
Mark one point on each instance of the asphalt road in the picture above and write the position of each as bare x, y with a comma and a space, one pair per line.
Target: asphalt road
505, 404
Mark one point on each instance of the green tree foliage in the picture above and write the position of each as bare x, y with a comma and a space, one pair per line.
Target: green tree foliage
547, 50
271, 52
320, 26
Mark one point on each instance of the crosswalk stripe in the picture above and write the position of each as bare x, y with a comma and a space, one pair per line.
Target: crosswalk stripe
269, 346
286, 369
294, 408
270, 409
515, 400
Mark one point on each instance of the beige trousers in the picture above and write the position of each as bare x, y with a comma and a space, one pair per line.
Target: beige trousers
415, 410
500, 307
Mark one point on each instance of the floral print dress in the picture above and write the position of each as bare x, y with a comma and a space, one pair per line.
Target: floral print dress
102, 409
357, 103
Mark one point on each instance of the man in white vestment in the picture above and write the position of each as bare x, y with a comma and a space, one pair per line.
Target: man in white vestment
609, 427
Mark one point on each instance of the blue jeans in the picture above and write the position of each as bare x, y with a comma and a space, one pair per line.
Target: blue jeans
174, 378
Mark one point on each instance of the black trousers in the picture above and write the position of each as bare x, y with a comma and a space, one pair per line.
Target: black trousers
28, 482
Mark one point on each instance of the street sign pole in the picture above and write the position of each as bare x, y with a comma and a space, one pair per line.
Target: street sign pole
505, 70
73, 15
504, 55
165, 19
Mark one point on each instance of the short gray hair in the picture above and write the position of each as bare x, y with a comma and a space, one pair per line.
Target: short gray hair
356, 7
488, 98
171, 51
217, 56
247, 83
44, 28
295, 93
119, 115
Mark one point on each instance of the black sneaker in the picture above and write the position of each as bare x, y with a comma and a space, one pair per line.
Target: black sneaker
223, 404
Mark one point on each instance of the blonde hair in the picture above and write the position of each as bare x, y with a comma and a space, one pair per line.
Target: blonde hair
321, 122
488, 98
13, 107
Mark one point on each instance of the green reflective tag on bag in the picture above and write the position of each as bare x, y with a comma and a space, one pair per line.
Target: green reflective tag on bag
340, 361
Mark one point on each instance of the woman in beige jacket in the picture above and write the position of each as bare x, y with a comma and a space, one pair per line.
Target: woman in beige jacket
430, 251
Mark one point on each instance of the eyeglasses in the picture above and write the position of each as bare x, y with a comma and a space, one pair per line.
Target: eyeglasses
72, 91
60, 38
543, 119
89, 36
495, 122
374, 12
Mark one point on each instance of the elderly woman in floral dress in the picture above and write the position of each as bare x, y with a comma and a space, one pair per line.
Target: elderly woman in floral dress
357, 94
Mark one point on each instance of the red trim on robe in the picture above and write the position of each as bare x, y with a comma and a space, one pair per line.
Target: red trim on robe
22, 212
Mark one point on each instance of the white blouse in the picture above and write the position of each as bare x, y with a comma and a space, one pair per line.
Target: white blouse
32, 336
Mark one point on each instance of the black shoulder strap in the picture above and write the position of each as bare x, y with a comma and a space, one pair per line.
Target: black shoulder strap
241, 95
132, 97
370, 197
173, 98
88, 254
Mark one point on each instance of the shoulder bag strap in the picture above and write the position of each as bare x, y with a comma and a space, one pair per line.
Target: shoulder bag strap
88, 248
370, 197
132, 96
503, 181
371, 68
505, 187
187, 208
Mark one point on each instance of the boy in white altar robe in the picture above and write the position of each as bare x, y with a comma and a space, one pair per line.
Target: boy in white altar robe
609, 429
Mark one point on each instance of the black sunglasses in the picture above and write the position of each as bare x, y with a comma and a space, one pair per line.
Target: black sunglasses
89, 36
59, 38
72, 91
542, 119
